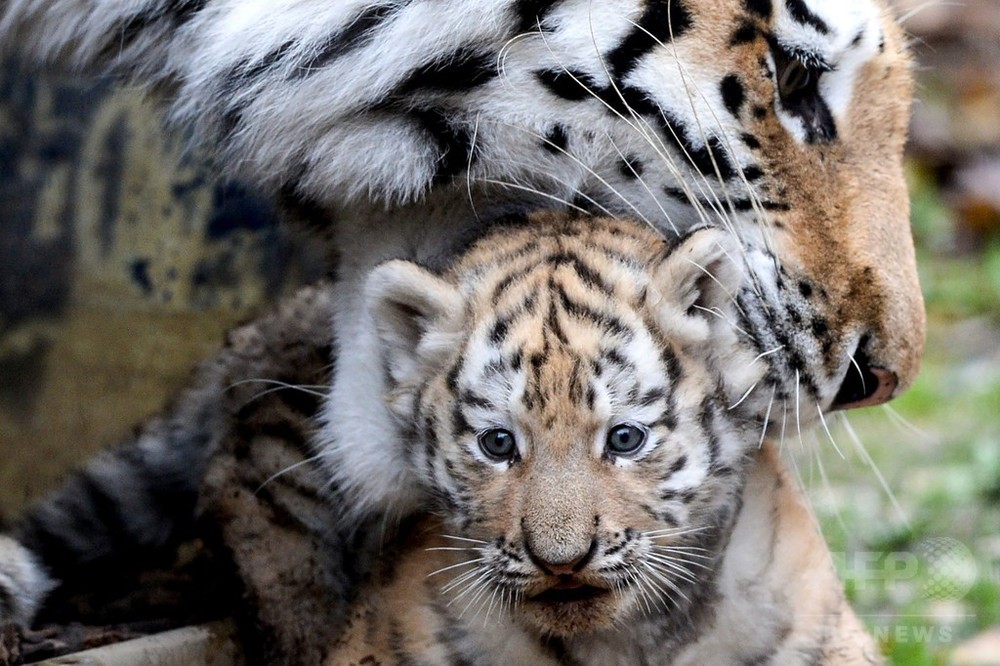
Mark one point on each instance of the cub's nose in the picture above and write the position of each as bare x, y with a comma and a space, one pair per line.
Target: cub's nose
554, 565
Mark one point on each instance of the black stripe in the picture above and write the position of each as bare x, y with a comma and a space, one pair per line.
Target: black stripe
613, 357
750, 141
652, 396
587, 274
743, 205
660, 23
676, 132
454, 143
744, 34
531, 13
240, 75
459, 71
360, 31
672, 365
553, 326
504, 284
304, 402
8, 607
184, 10
668, 418
606, 321
708, 419
631, 167
626, 101
801, 13
739, 205
459, 424
732, 94
451, 379
474, 399
569, 85
710, 158
761, 8
555, 140
677, 466
498, 333
108, 520
127, 31
576, 390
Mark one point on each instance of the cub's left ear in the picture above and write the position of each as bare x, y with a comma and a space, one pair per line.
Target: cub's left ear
417, 316
695, 287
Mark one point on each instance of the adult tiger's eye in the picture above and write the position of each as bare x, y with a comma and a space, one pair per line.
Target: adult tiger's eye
498, 443
793, 78
625, 439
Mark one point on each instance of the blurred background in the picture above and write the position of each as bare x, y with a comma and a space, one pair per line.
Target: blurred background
909, 496
123, 258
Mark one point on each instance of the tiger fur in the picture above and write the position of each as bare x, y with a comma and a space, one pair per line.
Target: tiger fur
413, 121
775, 599
781, 121
585, 420
532, 311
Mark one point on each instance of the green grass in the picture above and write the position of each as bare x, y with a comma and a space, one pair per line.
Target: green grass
942, 466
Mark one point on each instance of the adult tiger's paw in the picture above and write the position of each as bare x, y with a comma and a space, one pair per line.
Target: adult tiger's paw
24, 583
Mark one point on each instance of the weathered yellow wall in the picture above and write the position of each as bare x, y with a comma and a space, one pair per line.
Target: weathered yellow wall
122, 261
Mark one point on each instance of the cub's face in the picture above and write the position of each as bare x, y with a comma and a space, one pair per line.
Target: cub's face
596, 478
568, 393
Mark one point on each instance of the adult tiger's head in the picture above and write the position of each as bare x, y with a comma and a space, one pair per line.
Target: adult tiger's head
580, 404
782, 120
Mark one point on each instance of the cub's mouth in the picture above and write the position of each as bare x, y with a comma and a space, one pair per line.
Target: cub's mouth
562, 594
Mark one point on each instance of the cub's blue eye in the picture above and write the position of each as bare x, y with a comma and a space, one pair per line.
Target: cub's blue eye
625, 439
498, 443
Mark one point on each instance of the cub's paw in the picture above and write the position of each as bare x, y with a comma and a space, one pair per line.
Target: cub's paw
24, 583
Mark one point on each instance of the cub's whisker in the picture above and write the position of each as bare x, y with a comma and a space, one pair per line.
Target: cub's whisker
458, 538
455, 566
286, 470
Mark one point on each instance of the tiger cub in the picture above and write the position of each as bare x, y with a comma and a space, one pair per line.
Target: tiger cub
582, 417
586, 424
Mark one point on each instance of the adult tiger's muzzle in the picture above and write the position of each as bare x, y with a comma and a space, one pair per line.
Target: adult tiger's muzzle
865, 385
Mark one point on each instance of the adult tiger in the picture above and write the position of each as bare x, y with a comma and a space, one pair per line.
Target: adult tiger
783, 120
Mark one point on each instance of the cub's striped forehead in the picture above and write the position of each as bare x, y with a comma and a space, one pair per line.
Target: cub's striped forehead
557, 281
558, 311
611, 256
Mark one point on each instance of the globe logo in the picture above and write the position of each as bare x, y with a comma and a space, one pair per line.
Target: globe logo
947, 567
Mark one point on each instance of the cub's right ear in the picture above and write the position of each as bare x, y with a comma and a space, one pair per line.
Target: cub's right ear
696, 285
418, 319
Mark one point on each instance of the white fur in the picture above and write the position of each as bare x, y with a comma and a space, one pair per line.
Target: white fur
24, 578
312, 131
846, 20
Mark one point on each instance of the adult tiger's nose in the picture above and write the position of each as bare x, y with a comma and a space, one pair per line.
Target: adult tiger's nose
865, 385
